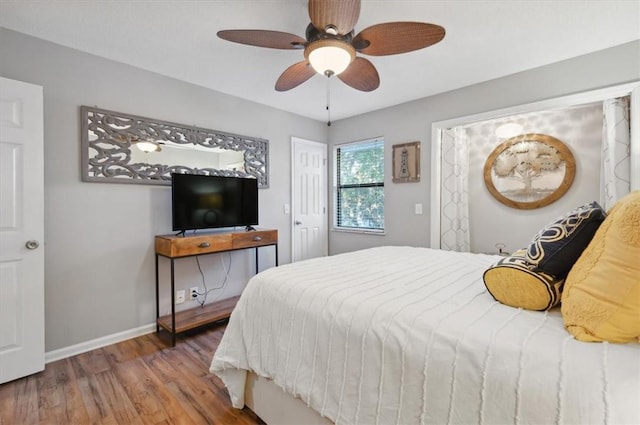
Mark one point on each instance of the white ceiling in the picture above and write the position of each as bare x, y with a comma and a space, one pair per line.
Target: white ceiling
484, 40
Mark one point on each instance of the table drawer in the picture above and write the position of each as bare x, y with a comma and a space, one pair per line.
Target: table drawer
257, 238
193, 245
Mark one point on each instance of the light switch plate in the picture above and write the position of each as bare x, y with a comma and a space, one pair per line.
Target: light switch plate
418, 209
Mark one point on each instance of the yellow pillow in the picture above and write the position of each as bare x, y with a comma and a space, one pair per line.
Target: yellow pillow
516, 282
601, 298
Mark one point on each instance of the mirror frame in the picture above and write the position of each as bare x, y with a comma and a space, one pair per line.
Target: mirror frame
106, 159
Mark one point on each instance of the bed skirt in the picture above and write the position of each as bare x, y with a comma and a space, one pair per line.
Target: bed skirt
274, 406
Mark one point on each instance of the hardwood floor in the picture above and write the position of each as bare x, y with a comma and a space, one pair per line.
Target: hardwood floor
140, 381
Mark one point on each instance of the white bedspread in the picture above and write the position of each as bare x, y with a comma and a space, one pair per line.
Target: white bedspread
401, 335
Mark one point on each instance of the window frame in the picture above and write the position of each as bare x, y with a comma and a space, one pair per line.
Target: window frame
337, 187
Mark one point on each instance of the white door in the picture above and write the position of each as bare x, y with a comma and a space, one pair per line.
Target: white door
21, 230
309, 199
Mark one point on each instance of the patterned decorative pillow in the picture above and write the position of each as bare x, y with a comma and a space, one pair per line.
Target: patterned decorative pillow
515, 282
557, 246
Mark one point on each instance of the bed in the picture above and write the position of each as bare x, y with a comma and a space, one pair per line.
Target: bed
407, 335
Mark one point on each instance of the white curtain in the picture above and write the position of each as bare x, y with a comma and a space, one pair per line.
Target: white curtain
615, 170
454, 203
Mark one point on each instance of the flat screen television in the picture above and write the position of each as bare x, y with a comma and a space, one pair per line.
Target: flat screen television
208, 202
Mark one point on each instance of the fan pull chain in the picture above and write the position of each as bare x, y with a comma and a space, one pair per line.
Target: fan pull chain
329, 74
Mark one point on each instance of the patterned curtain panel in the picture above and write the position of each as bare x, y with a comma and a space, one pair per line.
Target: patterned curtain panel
454, 203
616, 136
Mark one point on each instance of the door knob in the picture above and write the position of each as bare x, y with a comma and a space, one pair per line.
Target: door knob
32, 244
297, 223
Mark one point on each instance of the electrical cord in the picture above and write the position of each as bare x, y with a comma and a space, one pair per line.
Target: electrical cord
204, 283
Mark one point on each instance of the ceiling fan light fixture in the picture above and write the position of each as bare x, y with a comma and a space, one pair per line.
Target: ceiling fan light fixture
508, 130
330, 56
148, 146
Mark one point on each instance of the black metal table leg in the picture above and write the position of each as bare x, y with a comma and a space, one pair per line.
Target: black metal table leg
256, 260
173, 305
157, 297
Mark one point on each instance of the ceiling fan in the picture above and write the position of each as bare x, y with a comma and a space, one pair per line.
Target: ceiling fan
330, 46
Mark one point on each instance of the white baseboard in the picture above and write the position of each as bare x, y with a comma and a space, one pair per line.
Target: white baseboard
83, 347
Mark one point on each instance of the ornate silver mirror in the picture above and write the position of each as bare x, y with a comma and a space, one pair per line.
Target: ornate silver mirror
123, 148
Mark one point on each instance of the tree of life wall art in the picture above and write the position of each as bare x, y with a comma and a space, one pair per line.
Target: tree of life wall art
529, 171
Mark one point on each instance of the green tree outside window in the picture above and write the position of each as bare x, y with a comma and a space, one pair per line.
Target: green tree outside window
360, 185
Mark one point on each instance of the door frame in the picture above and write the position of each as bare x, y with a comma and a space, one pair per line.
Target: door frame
298, 140
630, 89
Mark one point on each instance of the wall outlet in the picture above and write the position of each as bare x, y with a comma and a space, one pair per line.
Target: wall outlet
194, 292
180, 296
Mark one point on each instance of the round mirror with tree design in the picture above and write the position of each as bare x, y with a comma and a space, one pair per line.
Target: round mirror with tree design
529, 171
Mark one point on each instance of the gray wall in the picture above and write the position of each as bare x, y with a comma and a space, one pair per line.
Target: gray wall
99, 237
99, 267
412, 122
579, 128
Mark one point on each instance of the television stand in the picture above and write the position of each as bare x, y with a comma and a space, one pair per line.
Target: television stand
175, 247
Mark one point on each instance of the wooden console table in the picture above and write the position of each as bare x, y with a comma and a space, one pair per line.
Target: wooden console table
174, 247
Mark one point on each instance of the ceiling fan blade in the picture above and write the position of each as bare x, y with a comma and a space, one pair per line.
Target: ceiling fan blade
264, 38
361, 75
342, 14
392, 38
295, 75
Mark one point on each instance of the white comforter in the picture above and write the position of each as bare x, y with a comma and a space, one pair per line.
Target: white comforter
401, 335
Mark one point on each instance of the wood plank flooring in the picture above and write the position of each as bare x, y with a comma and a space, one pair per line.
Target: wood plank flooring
140, 381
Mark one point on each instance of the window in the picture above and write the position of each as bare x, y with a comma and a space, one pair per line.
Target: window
359, 186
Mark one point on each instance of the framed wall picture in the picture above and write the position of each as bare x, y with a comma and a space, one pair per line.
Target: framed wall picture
406, 162
529, 171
